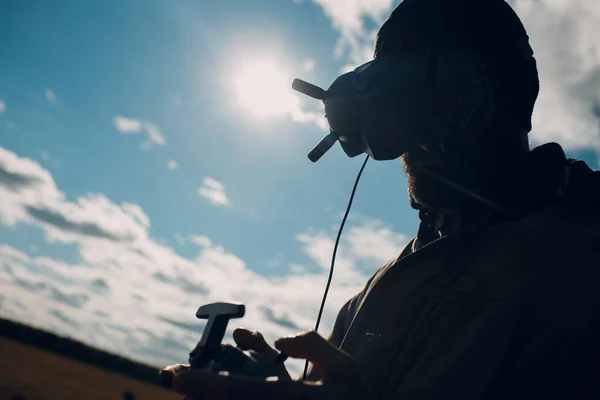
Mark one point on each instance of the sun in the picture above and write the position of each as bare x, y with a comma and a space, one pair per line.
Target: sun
263, 89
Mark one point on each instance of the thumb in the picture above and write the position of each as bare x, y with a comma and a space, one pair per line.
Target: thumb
253, 340
333, 363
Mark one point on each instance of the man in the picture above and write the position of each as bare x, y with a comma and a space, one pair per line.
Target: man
496, 297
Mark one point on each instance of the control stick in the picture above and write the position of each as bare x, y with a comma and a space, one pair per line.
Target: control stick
212, 356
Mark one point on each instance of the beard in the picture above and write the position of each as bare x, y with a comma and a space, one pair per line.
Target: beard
480, 165
453, 182
425, 190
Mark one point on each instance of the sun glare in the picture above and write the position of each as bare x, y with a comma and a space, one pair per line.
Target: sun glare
264, 89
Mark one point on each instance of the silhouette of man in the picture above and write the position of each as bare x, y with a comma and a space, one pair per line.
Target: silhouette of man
493, 299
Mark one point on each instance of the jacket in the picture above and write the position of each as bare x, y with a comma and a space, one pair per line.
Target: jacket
509, 309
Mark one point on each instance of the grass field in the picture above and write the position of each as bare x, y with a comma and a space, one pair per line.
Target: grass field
37, 374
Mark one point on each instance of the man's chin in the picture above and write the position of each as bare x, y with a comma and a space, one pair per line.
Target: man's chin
426, 191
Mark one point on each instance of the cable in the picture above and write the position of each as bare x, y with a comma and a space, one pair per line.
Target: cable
335, 247
498, 207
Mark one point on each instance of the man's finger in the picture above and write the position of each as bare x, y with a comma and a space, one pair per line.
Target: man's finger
311, 346
253, 340
203, 385
165, 375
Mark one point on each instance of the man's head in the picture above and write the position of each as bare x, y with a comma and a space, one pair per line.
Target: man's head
485, 153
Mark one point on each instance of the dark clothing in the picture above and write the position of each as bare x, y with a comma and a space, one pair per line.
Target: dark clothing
508, 309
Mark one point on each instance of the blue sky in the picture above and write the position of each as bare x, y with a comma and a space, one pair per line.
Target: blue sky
154, 159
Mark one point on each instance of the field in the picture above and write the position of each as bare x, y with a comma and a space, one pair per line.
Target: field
29, 372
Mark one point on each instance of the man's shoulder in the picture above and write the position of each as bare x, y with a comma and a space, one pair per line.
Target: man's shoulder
567, 223
566, 268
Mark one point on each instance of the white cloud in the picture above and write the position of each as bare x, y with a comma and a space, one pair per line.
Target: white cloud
132, 295
374, 242
12, 253
275, 262
302, 115
214, 191
202, 241
127, 125
134, 126
179, 238
564, 36
2, 106
319, 246
297, 269
50, 96
316, 118
309, 65
172, 164
154, 134
349, 17
362, 246
30, 195
135, 211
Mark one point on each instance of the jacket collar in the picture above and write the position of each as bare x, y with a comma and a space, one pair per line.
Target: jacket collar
546, 178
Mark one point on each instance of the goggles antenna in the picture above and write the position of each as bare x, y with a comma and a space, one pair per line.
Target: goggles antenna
316, 93
309, 89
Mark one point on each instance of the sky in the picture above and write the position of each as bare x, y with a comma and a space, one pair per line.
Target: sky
153, 158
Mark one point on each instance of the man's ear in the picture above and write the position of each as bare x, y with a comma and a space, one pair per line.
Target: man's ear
500, 114
503, 123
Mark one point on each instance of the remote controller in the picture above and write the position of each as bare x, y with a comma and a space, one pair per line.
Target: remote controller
212, 356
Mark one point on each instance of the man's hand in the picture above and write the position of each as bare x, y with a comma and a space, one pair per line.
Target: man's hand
341, 379
254, 340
